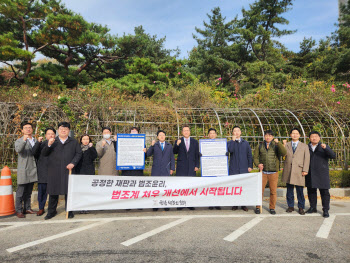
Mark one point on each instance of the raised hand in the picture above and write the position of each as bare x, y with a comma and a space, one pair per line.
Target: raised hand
51, 141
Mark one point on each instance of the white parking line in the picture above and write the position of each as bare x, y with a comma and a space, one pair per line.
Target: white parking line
326, 227
240, 231
154, 232
67, 233
128, 218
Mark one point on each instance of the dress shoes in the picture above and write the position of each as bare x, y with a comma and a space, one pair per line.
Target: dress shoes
20, 215
244, 208
311, 210
290, 209
257, 210
272, 211
325, 214
30, 211
40, 212
301, 211
49, 216
70, 214
234, 208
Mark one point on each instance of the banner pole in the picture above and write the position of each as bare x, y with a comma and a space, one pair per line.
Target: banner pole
262, 193
70, 173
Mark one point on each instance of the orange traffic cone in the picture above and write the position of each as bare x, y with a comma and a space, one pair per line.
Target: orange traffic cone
7, 204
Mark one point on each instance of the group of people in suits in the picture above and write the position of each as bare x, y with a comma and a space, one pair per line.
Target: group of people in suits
50, 161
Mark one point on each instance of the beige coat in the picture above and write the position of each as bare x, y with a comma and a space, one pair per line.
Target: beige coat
107, 156
295, 164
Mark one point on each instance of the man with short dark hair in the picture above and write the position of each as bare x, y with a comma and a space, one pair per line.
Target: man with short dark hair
26, 170
42, 164
267, 157
63, 154
163, 157
318, 175
187, 150
296, 166
241, 159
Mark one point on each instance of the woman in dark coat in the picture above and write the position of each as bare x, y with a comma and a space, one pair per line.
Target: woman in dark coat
318, 176
86, 164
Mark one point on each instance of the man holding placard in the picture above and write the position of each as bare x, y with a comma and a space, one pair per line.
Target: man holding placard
241, 159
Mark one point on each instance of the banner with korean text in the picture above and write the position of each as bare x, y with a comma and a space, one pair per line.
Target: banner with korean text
99, 192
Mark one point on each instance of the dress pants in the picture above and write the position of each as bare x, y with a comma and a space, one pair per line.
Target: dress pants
325, 197
300, 195
42, 195
23, 195
53, 201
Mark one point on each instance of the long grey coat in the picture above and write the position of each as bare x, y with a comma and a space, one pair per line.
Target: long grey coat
295, 164
107, 156
26, 167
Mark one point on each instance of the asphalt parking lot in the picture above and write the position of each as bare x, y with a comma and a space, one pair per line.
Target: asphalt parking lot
201, 235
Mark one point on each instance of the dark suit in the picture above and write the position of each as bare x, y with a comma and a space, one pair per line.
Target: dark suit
42, 165
241, 157
318, 176
163, 161
187, 161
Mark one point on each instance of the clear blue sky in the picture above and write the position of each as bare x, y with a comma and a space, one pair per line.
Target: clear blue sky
177, 19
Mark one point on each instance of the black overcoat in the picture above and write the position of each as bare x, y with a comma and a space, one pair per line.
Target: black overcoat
60, 155
318, 176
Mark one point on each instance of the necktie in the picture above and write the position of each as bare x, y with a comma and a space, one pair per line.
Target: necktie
294, 146
162, 144
186, 144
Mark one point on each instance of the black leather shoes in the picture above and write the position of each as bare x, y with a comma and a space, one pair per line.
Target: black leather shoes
49, 216
311, 210
257, 210
244, 208
70, 214
301, 211
325, 214
272, 211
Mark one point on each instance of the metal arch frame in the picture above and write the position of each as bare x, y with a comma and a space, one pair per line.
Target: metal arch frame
217, 116
301, 126
261, 126
343, 138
